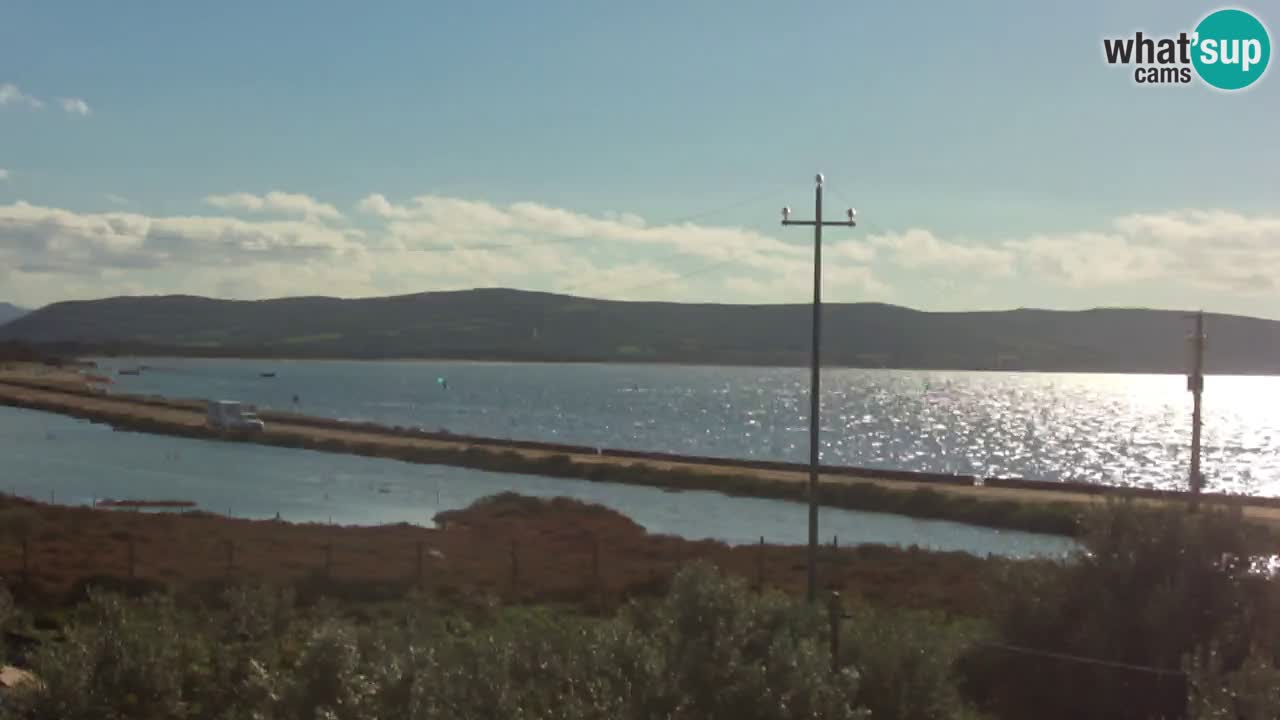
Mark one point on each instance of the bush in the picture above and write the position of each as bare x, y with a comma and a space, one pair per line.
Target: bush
710, 649
1150, 588
906, 662
119, 659
1251, 692
725, 653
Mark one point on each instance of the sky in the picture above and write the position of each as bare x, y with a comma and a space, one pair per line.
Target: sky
637, 151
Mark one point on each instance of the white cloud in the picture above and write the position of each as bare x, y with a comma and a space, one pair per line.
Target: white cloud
4, 175
75, 106
277, 202
436, 243
11, 95
54, 241
378, 205
793, 282
1092, 259
432, 220
1210, 249
918, 249
116, 199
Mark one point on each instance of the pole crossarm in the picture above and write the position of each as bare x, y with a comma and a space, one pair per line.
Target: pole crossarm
825, 223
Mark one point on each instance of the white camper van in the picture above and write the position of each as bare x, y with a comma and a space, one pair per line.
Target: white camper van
232, 415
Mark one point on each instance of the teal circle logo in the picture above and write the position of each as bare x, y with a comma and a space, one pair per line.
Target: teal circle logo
1231, 49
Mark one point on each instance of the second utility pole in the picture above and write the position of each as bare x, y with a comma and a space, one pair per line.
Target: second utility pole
814, 375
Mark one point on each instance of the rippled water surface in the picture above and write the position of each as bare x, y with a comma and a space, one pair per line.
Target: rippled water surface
51, 457
1119, 429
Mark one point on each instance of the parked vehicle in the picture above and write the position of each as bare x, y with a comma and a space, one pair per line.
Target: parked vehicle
233, 415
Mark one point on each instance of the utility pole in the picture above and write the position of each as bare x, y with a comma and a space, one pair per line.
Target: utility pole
815, 363
1195, 384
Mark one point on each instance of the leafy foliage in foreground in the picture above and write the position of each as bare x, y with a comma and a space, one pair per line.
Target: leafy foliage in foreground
1152, 589
1159, 589
710, 649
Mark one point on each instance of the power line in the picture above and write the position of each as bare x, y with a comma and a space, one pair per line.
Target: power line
665, 281
1082, 659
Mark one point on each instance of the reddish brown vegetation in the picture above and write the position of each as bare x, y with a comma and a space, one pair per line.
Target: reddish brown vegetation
559, 547
109, 503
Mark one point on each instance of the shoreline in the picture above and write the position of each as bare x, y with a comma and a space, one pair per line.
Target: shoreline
1007, 504
827, 365
641, 363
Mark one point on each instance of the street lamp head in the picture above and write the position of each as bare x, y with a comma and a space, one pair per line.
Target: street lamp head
818, 178
786, 214
851, 213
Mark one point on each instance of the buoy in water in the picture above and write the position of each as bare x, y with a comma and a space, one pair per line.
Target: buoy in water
442, 383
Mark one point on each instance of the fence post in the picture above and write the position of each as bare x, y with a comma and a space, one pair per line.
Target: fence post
515, 572
595, 569
834, 613
760, 566
418, 575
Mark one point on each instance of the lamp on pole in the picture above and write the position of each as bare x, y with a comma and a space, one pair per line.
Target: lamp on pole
814, 364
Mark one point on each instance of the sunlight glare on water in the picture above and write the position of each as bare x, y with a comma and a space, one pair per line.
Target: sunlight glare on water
1120, 429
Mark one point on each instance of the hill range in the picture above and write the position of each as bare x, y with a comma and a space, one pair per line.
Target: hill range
513, 325
10, 312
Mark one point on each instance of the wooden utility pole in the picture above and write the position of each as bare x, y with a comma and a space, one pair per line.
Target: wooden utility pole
814, 365
1195, 384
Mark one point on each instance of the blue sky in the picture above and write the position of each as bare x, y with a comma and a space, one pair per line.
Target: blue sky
995, 159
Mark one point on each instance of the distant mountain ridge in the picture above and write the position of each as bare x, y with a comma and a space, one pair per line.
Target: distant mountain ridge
10, 312
500, 324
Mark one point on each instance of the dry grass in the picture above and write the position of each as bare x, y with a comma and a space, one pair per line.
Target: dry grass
564, 551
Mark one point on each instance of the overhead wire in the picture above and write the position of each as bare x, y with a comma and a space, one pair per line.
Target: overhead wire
734, 256
700, 270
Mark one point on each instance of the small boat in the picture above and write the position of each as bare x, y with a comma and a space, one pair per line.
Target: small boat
267, 374
134, 371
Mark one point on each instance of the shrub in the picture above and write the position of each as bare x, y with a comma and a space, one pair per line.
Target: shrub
906, 662
710, 649
1251, 692
119, 659
728, 654
1150, 587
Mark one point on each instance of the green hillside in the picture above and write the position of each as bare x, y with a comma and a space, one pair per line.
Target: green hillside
516, 325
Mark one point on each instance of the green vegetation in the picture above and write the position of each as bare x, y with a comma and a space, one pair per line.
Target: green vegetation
1157, 589
1164, 614
710, 649
499, 324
